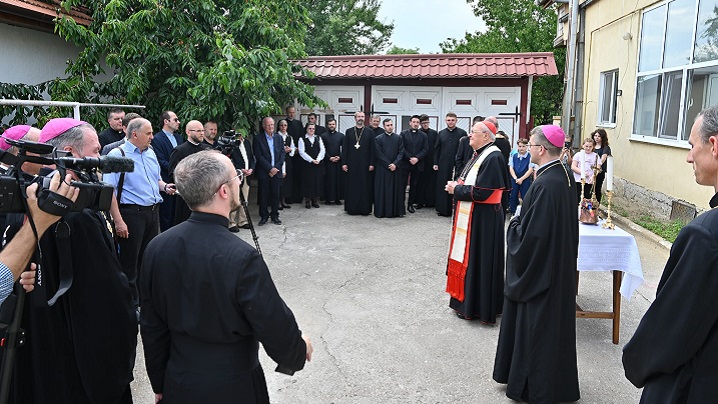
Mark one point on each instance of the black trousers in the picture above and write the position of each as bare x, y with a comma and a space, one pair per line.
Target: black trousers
167, 211
269, 197
143, 225
413, 181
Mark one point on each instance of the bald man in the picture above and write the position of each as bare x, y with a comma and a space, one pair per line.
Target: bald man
195, 143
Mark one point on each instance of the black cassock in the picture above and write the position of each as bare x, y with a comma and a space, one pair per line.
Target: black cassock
358, 190
445, 158
296, 131
389, 186
287, 179
484, 284
427, 181
674, 353
205, 309
81, 349
182, 211
333, 178
536, 353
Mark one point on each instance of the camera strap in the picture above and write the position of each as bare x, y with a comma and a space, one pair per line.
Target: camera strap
122, 179
62, 239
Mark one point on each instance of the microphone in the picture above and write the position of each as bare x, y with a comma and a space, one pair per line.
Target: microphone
108, 164
114, 164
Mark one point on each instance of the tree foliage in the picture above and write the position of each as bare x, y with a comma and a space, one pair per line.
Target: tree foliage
396, 50
523, 27
346, 27
221, 59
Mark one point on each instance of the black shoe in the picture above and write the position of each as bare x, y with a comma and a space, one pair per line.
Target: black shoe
410, 209
461, 316
307, 205
327, 203
419, 206
276, 221
315, 205
245, 226
262, 222
280, 208
287, 207
337, 202
234, 229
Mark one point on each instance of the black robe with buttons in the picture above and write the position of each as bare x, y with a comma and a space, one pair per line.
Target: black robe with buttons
445, 158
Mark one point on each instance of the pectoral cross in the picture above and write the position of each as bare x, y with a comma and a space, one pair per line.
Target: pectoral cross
357, 146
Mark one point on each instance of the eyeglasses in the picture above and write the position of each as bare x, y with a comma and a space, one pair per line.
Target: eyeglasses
176, 119
239, 175
534, 145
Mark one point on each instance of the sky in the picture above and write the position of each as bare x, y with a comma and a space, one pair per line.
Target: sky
424, 24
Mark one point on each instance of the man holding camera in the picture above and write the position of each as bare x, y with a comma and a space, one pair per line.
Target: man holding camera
136, 213
81, 349
207, 307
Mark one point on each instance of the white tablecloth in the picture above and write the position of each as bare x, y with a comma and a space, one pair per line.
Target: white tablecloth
602, 249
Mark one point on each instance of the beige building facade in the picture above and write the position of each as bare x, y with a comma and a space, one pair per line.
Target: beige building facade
648, 68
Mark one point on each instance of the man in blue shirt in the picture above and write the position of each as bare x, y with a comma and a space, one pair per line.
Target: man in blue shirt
136, 210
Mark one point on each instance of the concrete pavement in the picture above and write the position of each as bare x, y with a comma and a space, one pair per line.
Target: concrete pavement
370, 294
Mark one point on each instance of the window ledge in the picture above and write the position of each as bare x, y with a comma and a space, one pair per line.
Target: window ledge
606, 125
680, 144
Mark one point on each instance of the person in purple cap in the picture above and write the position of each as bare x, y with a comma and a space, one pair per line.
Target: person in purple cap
536, 352
25, 133
81, 349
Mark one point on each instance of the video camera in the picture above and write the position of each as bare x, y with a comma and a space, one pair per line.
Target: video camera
227, 142
94, 194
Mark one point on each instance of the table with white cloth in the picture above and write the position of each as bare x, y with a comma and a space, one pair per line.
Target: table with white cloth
614, 250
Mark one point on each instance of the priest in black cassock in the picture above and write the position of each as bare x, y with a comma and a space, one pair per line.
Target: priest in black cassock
296, 131
389, 184
208, 305
427, 181
536, 353
444, 161
333, 176
195, 143
475, 273
674, 353
415, 149
358, 165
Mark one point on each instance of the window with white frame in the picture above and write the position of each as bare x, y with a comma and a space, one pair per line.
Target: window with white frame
677, 68
607, 98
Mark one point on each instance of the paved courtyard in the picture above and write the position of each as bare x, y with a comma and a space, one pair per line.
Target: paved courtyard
370, 294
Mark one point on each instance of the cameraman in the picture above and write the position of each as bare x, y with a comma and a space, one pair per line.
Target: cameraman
81, 349
17, 253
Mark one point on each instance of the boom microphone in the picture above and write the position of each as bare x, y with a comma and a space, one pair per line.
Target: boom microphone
108, 164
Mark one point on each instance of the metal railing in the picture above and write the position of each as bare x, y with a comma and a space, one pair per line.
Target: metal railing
75, 105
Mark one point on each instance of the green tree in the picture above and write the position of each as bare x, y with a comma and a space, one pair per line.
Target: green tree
395, 50
222, 59
523, 27
346, 27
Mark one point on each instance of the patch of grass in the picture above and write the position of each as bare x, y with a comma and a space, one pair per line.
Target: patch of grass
620, 210
665, 229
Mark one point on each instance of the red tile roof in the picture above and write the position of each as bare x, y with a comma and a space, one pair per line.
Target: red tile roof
459, 65
44, 10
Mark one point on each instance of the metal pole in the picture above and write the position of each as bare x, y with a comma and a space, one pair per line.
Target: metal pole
568, 95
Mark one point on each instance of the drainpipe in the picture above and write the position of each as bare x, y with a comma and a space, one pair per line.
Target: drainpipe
578, 94
568, 94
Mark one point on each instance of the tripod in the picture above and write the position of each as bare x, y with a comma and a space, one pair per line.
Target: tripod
245, 206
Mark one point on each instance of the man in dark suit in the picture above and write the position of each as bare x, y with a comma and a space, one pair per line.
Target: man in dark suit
312, 118
243, 160
269, 154
208, 305
163, 143
415, 149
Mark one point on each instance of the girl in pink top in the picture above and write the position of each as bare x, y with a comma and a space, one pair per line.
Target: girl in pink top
577, 167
